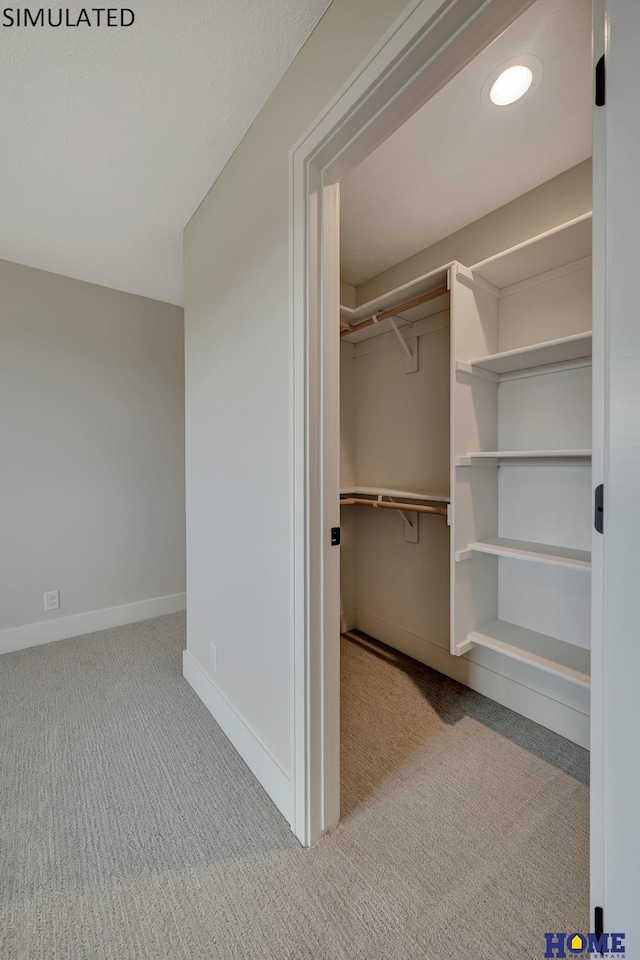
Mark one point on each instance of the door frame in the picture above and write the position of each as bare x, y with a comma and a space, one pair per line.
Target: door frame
599, 390
615, 835
422, 51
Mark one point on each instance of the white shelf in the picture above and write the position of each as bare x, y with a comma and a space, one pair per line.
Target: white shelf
426, 283
408, 291
491, 457
551, 655
535, 552
562, 350
564, 244
397, 494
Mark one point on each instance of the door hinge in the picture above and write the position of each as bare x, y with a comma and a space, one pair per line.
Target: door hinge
600, 82
335, 536
598, 512
598, 924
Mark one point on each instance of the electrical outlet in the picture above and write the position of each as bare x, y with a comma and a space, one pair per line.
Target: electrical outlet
52, 600
213, 657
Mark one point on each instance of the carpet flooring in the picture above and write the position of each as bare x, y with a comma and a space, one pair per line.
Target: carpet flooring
131, 830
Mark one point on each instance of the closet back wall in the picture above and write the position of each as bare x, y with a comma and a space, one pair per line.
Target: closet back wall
92, 468
397, 436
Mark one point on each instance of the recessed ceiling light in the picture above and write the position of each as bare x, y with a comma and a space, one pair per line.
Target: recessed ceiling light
510, 81
512, 84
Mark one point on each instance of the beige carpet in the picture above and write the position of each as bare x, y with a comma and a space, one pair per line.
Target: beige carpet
129, 828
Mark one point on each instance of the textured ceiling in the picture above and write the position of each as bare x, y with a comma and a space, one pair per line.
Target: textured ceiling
111, 137
457, 159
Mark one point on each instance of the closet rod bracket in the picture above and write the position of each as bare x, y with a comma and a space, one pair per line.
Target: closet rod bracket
409, 347
411, 527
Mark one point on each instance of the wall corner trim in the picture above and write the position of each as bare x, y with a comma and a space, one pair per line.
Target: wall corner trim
63, 628
252, 751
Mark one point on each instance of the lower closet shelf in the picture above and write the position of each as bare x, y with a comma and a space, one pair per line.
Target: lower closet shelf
554, 656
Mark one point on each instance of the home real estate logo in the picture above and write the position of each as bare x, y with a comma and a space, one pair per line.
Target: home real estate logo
67, 17
563, 945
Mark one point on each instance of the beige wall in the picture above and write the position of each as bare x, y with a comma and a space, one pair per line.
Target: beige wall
92, 465
238, 387
398, 438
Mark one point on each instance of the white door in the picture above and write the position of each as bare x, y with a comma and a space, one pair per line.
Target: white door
615, 826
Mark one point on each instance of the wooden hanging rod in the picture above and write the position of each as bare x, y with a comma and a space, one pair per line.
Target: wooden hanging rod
413, 507
351, 328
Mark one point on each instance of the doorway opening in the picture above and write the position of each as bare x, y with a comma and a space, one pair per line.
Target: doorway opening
465, 449
457, 462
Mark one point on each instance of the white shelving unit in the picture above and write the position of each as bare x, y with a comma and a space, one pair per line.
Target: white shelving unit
548, 654
561, 350
499, 455
568, 243
520, 395
534, 552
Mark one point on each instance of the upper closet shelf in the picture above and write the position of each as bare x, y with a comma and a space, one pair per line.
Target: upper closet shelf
563, 350
397, 494
423, 297
564, 244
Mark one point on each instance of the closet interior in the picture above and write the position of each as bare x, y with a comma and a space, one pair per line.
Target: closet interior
466, 500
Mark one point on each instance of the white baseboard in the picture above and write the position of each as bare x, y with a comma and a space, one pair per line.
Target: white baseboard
257, 757
550, 713
63, 628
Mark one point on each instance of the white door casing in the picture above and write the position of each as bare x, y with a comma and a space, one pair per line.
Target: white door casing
615, 826
422, 51
597, 477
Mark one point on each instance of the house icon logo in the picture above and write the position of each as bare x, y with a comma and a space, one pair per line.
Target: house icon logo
562, 945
